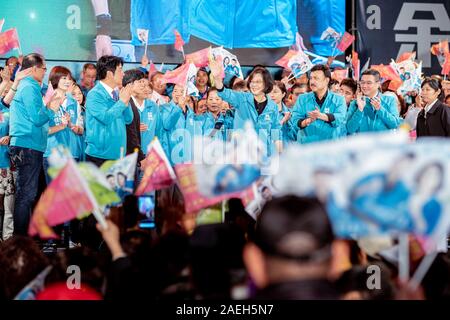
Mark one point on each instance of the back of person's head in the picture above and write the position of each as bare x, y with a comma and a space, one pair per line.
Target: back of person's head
20, 262
216, 255
90, 263
60, 291
32, 60
107, 63
131, 76
286, 222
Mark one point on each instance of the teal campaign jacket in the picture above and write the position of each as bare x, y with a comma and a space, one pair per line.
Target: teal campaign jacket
372, 120
4, 131
209, 123
266, 124
320, 130
106, 122
289, 129
179, 129
150, 116
29, 117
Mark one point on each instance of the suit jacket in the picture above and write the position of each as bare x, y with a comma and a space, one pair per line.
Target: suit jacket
437, 122
134, 133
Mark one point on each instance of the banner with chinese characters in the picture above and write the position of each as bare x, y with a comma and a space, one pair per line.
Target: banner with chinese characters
413, 25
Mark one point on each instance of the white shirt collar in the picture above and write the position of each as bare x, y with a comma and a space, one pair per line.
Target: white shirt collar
136, 103
428, 107
107, 88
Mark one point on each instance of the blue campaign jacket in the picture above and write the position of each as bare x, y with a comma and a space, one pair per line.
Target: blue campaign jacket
372, 120
266, 124
161, 18
289, 129
209, 123
76, 141
4, 131
179, 130
320, 130
245, 24
106, 122
151, 116
61, 137
29, 117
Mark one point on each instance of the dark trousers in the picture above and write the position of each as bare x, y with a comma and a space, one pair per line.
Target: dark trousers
97, 161
28, 163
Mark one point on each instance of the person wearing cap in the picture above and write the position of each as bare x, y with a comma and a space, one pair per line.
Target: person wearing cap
290, 256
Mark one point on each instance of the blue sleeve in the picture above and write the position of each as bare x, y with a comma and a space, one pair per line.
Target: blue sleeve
95, 105
38, 113
298, 113
339, 113
389, 114
170, 115
354, 117
128, 115
234, 98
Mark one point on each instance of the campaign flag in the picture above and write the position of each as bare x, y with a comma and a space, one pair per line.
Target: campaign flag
440, 50
345, 42
284, 60
339, 74
446, 65
356, 63
35, 286
298, 45
179, 43
2, 22
178, 75
406, 56
120, 174
299, 64
64, 199
224, 167
191, 76
143, 35
330, 34
9, 40
194, 201
158, 173
101, 189
229, 62
199, 58
152, 70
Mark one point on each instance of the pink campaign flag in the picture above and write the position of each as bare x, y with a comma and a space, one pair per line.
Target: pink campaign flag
345, 42
284, 60
9, 40
49, 94
356, 63
179, 43
158, 173
64, 199
177, 76
199, 58
194, 201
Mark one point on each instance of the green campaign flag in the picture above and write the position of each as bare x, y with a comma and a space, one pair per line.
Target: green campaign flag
98, 184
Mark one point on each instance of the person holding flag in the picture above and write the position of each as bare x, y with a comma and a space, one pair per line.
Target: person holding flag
179, 123
28, 132
320, 114
254, 106
372, 110
107, 113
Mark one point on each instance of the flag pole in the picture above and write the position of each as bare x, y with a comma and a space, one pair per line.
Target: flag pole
403, 261
145, 49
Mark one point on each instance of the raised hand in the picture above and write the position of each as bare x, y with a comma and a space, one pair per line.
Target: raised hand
22, 74
125, 94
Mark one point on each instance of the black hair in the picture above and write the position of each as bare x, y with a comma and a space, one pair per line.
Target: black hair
435, 85
131, 76
281, 86
88, 66
9, 58
447, 97
267, 78
289, 217
107, 63
352, 84
84, 97
324, 68
421, 174
32, 60
333, 82
372, 72
299, 85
